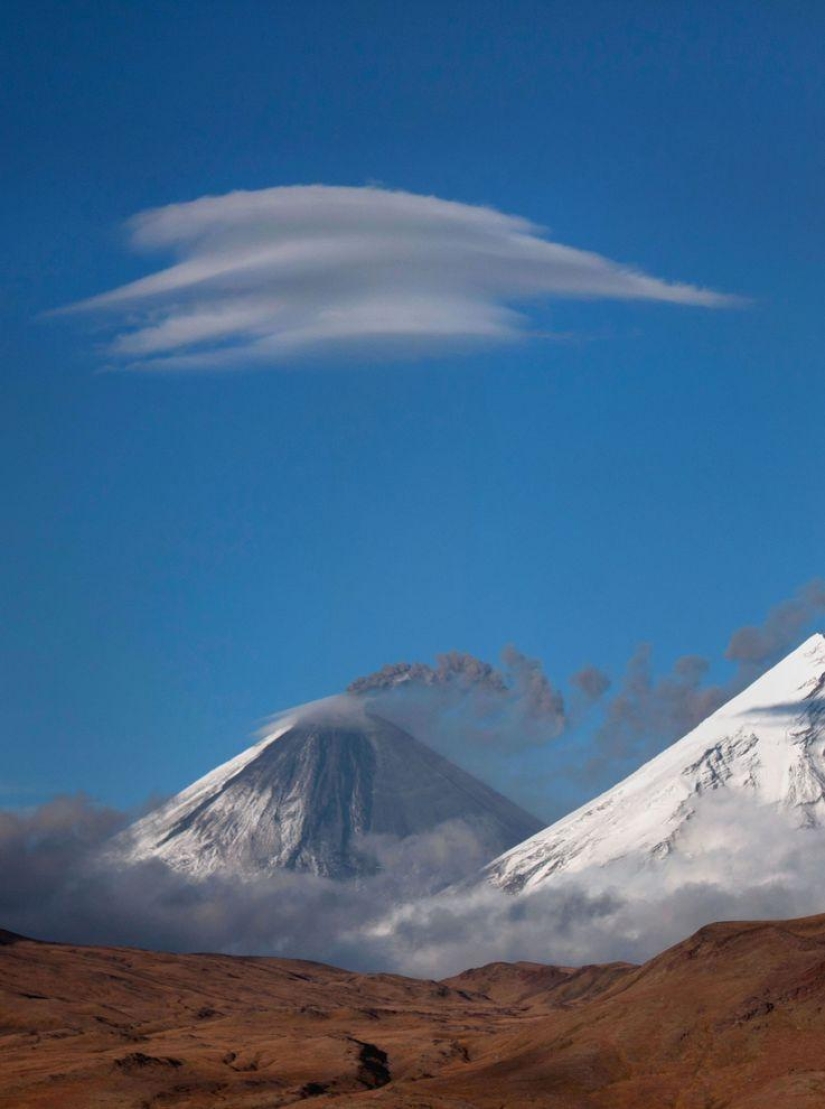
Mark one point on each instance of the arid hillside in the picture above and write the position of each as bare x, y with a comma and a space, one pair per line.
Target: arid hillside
732, 1018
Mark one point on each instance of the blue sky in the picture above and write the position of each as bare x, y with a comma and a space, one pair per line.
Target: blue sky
187, 552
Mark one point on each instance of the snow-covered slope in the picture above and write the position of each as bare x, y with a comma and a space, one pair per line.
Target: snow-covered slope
326, 775
765, 746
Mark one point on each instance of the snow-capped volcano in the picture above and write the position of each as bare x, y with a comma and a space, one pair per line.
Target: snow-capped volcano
326, 775
765, 747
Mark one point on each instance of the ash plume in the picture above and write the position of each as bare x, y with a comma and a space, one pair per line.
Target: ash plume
592, 682
647, 712
486, 718
512, 706
497, 721
755, 646
454, 668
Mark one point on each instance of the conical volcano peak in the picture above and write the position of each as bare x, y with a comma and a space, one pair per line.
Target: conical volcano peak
765, 747
322, 778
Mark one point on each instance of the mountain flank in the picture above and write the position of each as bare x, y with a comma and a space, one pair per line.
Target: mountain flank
763, 752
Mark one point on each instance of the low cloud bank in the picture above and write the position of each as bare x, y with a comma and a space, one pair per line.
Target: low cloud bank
270, 274
751, 864
736, 861
60, 881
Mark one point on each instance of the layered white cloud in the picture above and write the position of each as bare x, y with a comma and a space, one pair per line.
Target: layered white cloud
745, 862
260, 276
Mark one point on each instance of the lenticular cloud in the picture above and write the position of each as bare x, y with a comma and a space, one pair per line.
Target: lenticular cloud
265, 275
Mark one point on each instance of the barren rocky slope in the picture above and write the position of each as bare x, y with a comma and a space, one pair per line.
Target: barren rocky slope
731, 1018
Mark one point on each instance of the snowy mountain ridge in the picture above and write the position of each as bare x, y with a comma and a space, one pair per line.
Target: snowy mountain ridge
766, 746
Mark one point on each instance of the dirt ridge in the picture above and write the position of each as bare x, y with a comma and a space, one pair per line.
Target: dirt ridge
733, 1016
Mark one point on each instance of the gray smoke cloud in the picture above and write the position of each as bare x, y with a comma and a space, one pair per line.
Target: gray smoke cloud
507, 708
491, 720
648, 712
592, 682
755, 645
455, 670
498, 721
